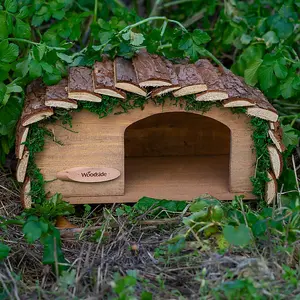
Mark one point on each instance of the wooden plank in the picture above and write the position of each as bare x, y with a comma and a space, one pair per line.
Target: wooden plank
173, 178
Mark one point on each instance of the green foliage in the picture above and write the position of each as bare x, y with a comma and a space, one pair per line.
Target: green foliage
4, 251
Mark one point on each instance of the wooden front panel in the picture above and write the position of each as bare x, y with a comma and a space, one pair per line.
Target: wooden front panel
100, 143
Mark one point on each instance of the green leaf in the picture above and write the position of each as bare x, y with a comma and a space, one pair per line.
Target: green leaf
280, 68
246, 39
35, 69
11, 5
13, 88
266, 76
200, 37
23, 13
270, 38
48, 68
3, 26
136, 39
68, 59
22, 29
237, 236
283, 28
58, 14
8, 52
51, 78
251, 73
22, 67
290, 135
4, 251
39, 51
32, 231
3, 90
126, 35
286, 88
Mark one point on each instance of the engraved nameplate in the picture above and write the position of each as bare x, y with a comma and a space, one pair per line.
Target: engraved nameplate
88, 174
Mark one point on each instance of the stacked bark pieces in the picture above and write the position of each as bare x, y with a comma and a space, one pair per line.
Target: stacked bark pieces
146, 75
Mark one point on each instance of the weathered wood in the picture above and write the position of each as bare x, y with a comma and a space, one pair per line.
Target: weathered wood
238, 91
271, 188
22, 166
276, 160
189, 79
21, 136
25, 196
34, 108
150, 70
57, 96
263, 109
103, 78
125, 77
174, 81
211, 77
80, 85
100, 143
276, 136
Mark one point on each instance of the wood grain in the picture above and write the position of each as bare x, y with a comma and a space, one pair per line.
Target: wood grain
100, 142
21, 137
150, 70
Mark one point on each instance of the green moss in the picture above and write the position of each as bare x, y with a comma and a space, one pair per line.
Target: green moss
238, 110
261, 141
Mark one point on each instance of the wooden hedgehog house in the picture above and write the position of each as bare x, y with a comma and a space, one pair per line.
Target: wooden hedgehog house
159, 149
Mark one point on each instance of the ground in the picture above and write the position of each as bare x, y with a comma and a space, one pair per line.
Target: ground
116, 257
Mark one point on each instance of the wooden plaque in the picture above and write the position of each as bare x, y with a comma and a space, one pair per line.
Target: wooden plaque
88, 174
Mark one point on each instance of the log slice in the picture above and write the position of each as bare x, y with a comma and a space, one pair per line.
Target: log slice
271, 188
150, 70
190, 80
57, 96
125, 77
25, 196
276, 160
21, 136
211, 77
22, 166
103, 78
80, 85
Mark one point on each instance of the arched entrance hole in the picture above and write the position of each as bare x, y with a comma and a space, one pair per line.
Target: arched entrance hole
177, 155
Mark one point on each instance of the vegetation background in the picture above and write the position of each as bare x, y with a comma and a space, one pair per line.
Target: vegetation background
154, 249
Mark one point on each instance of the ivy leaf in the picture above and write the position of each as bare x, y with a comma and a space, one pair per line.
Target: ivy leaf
23, 13
290, 135
126, 35
270, 38
48, 68
8, 52
136, 39
266, 76
251, 73
4, 251
22, 29
11, 6
237, 236
200, 37
280, 68
246, 39
22, 67
39, 51
14, 88
68, 59
286, 87
35, 69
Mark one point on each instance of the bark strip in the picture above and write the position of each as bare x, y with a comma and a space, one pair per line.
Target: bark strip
57, 96
276, 160
21, 136
35, 109
150, 70
103, 78
211, 77
271, 188
125, 77
22, 166
80, 85
25, 196
174, 81
190, 80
